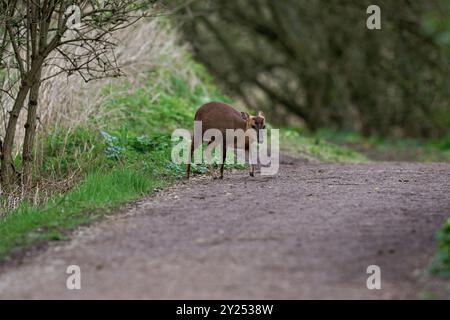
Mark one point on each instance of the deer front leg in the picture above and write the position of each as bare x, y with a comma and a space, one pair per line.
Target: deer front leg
252, 166
224, 158
212, 171
209, 158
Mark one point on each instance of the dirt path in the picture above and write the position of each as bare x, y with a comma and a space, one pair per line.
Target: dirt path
309, 232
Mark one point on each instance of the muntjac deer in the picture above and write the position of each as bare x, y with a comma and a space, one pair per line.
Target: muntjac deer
221, 116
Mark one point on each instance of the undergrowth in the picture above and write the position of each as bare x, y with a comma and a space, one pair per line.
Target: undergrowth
121, 157
441, 262
292, 141
391, 149
126, 159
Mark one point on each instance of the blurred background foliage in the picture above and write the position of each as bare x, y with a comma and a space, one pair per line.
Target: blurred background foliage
313, 63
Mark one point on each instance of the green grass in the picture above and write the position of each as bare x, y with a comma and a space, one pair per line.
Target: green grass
97, 195
401, 149
125, 160
293, 141
441, 262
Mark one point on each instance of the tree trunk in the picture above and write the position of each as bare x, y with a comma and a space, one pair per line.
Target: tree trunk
6, 173
30, 132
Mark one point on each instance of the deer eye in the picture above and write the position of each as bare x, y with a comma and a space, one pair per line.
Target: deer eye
264, 126
253, 126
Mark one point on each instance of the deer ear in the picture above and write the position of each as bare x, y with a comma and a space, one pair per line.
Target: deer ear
245, 115
261, 114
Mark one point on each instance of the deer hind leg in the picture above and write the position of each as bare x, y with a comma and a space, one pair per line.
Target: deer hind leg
188, 166
191, 153
252, 166
224, 157
209, 159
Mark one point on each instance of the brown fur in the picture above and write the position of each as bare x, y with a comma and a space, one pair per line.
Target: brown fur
221, 116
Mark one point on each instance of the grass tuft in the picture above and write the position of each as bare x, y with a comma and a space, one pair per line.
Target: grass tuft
441, 262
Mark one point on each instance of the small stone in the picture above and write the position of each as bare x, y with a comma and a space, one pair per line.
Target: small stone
200, 240
417, 273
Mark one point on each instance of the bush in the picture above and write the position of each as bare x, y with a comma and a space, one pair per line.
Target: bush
441, 262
